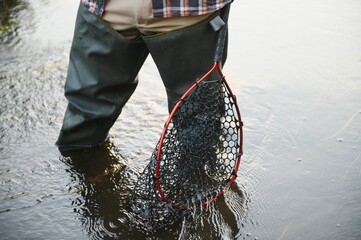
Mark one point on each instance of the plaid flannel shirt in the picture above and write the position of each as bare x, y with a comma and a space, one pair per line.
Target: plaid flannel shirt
168, 8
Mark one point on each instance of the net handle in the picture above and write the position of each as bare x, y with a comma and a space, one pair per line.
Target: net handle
221, 40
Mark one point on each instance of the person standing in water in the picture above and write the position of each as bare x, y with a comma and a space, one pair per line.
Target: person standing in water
112, 39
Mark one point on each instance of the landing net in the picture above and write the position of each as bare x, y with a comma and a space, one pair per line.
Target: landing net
197, 158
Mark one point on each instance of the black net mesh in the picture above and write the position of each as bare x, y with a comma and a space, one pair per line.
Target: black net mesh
198, 156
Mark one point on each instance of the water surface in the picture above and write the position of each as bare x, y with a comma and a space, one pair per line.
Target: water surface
296, 70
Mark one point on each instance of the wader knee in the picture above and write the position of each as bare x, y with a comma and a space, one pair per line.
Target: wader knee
182, 56
102, 75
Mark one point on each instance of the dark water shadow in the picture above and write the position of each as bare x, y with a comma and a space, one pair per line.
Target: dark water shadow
222, 219
101, 183
100, 186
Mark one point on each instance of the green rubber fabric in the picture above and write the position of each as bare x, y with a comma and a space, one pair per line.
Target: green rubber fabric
103, 69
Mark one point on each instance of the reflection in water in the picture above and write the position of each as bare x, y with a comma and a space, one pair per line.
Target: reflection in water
9, 19
221, 220
100, 187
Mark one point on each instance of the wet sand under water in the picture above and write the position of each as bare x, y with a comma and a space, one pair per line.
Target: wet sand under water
296, 70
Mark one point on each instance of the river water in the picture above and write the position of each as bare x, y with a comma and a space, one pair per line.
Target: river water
295, 67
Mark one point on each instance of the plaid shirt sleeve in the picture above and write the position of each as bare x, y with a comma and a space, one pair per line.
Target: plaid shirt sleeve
172, 8
168, 8
95, 6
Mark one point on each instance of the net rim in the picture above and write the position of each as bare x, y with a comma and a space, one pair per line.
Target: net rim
216, 67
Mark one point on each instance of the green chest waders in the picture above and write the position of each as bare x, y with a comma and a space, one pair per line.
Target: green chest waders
102, 75
183, 56
103, 70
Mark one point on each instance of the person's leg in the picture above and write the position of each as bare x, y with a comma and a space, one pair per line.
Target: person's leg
182, 47
183, 55
102, 75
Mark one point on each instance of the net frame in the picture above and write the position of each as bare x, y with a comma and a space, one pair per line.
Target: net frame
159, 150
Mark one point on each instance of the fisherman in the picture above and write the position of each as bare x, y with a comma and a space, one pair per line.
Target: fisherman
112, 39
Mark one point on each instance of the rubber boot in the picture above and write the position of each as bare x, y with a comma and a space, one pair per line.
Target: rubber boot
102, 75
182, 56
